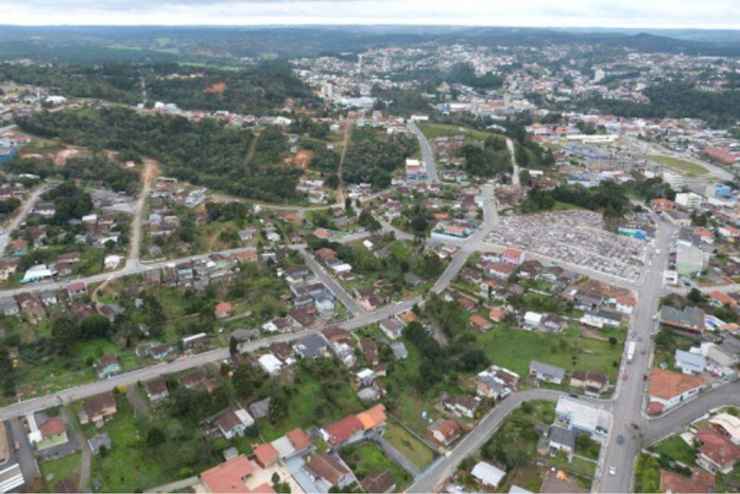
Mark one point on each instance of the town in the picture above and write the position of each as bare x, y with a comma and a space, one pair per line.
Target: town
433, 266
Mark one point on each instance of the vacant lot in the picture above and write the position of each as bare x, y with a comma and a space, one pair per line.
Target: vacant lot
410, 447
681, 166
368, 459
434, 130
55, 471
515, 349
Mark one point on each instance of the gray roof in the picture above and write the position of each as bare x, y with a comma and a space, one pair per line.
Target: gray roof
689, 316
399, 350
98, 441
260, 409
311, 346
547, 369
690, 359
562, 436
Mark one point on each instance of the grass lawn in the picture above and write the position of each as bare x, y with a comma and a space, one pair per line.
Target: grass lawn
579, 467
676, 449
666, 344
368, 459
647, 474
434, 130
128, 466
54, 471
515, 349
682, 166
413, 449
527, 476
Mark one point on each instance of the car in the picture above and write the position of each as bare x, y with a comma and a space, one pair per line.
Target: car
620, 439
612, 470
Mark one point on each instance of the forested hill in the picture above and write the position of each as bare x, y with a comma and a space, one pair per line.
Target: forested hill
206, 153
252, 89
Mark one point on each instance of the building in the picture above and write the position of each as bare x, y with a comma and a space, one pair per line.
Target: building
156, 390
330, 471
689, 200
591, 382
53, 432
344, 431
690, 260
717, 453
675, 483
445, 431
231, 476
546, 373
108, 366
688, 319
270, 364
727, 424
11, 476
561, 439
392, 328
98, 409
233, 422
690, 362
581, 417
667, 389
487, 474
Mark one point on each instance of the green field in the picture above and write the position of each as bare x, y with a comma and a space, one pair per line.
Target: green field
55, 471
647, 474
676, 449
413, 449
368, 459
681, 166
515, 349
434, 130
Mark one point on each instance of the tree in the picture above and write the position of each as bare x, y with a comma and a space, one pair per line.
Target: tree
695, 296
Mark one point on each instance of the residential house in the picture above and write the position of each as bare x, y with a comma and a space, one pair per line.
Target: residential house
561, 439
9, 307
76, 290
265, 455
690, 362
728, 425
108, 366
329, 470
344, 431
591, 382
223, 310
392, 328
480, 323
667, 389
582, 417
487, 475
231, 476
676, 483
496, 382
53, 433
461, 406
717, 453
546, 372
156, 390
98, 409
445, 431
260, 409
312, 346
233, 422
689, 319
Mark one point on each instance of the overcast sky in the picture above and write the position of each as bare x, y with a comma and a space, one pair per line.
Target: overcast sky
705, 14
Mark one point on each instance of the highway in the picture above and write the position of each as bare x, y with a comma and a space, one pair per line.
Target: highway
427, 154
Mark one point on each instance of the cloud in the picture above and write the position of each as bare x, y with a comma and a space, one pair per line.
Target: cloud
545, 13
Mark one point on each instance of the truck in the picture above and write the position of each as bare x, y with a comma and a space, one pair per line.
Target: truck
631, 350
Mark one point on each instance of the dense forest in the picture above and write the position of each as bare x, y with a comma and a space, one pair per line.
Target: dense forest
205, 153
372, 157
252, 89
718, 109
487, 161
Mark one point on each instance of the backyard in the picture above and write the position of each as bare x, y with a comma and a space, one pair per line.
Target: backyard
55, 471
409, 446
368, 459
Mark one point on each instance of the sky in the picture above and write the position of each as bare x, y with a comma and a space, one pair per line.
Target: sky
707, 14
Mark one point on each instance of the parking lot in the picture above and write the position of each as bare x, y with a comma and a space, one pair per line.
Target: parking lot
576, 237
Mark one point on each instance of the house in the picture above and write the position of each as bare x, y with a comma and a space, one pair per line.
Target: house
265, 455
223, 310
487, 474
373, 419
230, 477
689, 319
582, 417
53, 433
260, 409
513, 256
36, 273
445, 431
500, 270
728, 425
49, 298
233, 422
690, 362
496, 382
675, 483
9, 307
112, 261
717, 453
156, 390
497, 314
546, 373
480, 323
591, 382
312, 346
330, 470
300, 441
561, 439
667, 389
76, 289
532, 320
8, 268
98, 409
392, 328
461, 406
270, 364
380, 482
344, 431
108, 366
399, 350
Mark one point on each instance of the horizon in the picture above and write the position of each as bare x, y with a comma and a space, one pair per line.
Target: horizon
568, 14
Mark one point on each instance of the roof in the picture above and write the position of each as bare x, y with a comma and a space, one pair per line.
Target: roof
690, 359
52, 427
299, 439
373, 417
718, 447
233, 417
228, 477
691, 317
547, 369
382, 482
667, 384
448, 428
699, 482
562, 436
729, 423
343, 429
327, 467
96, 404
265, 454
487, 473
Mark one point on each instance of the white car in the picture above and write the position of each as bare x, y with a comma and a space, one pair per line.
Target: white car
612, 471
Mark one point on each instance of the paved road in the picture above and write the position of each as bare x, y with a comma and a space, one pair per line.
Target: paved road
629, 395
444, 467
21, 216
328, 280
676, 421
24, 455
427, 154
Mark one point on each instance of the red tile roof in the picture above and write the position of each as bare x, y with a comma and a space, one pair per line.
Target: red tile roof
228, 477
699, 482
717, 447
342, 430
299, 439
667, 384
52, 427
265, 454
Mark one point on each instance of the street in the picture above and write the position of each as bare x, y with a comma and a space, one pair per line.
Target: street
427, 154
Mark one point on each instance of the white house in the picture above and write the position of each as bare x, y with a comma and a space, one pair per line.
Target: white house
487, 474
270, 364
690, 362
581, 417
